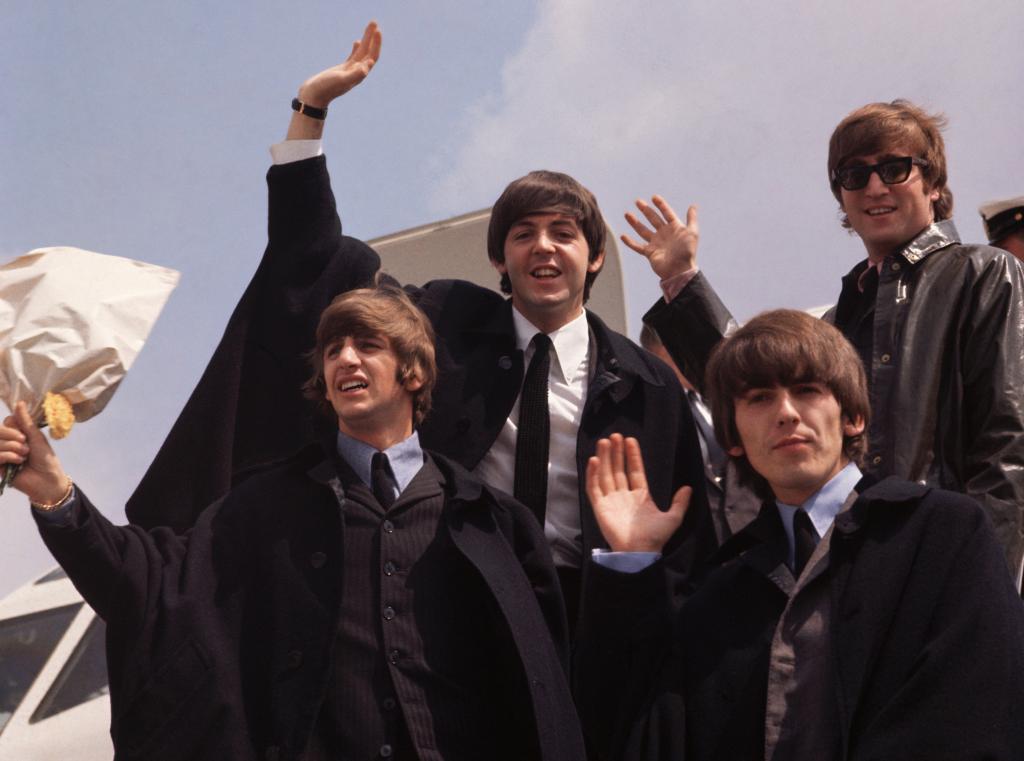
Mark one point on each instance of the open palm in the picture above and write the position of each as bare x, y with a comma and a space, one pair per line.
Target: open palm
627, 515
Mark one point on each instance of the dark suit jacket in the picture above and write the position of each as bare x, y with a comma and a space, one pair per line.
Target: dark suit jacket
220, 641
928, 641
307, 262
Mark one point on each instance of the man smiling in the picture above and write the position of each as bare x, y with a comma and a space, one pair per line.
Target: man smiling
361, 599
527, 385
850, 620
939, 325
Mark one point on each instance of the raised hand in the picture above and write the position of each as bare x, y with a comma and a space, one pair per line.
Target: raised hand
320, 89
626, 514
671, 246
41, 477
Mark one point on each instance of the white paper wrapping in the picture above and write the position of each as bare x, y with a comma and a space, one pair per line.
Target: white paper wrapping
72, 322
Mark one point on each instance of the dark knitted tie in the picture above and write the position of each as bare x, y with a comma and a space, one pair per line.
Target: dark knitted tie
531, 481
381, 481
805, 538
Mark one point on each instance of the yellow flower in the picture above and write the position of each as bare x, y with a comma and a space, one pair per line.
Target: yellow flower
59, 414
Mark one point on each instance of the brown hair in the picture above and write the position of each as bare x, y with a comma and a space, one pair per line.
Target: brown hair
382, 311
786, 347
545, 192
877, 127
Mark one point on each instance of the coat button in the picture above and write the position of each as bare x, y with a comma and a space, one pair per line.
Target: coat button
386, 751
294, 659
389, 704
505, 362
394, 656
390, 568
388, 526
885, 358
318, 559
389, 613
463, 425
876, 460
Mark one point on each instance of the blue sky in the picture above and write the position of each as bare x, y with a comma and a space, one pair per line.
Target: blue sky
141, 130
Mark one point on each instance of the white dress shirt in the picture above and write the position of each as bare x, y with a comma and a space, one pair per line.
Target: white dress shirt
567, 392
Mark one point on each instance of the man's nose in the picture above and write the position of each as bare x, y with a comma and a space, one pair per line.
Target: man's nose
348, 355
786, 410
544, 243
875, 185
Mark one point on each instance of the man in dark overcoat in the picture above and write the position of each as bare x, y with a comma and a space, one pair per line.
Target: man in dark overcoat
937, 323
851, 619
362, 599
546, 241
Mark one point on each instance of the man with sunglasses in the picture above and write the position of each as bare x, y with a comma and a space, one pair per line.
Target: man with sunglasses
937, 324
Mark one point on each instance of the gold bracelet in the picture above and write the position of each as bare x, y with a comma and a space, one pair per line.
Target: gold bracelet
48, 506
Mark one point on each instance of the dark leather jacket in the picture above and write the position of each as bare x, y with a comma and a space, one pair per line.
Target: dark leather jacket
946, 373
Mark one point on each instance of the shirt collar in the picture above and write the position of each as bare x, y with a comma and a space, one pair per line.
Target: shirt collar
571, 342
405, 458
824, 505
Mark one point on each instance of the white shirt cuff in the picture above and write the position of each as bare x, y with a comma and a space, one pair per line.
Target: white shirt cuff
291, 151
671, 286
624, 562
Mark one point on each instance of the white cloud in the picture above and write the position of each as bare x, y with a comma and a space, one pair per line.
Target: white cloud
730, 105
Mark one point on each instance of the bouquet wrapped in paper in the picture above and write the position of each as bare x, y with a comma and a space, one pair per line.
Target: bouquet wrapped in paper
71, 324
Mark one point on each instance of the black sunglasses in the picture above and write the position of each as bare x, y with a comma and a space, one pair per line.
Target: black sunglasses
890, 171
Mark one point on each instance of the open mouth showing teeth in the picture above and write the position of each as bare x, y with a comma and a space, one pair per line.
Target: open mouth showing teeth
352, 385
877, 212
545, 272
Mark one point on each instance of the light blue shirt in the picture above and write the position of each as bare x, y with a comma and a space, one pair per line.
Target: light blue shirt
405, 459
822, 507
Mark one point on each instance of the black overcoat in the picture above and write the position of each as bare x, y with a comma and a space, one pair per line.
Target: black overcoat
927, 635
220, 641
225, 429
946, 375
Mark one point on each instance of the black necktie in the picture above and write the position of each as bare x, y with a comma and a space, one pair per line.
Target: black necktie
381, 481
531, 480
805, 538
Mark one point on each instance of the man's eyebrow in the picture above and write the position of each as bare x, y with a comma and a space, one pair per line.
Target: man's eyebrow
878, 158
752, 390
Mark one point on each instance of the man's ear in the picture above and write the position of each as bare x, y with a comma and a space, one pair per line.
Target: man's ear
853, 427
735, 451
500, 266
595, 266
412, 381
